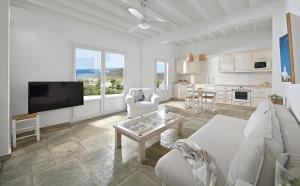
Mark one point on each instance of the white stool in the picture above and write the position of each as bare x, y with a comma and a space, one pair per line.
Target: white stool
22, 118
208, 100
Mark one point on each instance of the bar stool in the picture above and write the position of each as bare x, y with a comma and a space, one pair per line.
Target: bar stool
208, 100
191, 98
17, 120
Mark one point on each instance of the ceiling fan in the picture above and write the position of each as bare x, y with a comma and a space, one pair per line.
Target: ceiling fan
144, 22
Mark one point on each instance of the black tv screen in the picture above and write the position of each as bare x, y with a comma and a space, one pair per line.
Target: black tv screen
43, 96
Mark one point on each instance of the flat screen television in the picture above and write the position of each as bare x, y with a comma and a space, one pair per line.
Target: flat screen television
43, 96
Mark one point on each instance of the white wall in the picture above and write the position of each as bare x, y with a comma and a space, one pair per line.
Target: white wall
41, 50
150, 54
242, 42
279, 29
4, 78
293, 90
289, 91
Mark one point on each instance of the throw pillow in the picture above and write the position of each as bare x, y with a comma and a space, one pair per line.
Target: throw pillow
138, 95
273, 148
148, 93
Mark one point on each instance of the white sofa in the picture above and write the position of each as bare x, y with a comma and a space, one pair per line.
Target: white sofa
150, 104
222, 137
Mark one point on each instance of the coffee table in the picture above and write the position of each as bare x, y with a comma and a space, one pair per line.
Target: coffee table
143, 128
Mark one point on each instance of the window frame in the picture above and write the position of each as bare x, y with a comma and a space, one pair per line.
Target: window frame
102, 50
166, 76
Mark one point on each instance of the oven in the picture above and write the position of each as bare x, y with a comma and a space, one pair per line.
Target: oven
241, 95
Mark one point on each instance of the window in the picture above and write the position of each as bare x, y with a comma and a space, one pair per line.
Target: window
114, 67
88, 69
101, 72
161, 81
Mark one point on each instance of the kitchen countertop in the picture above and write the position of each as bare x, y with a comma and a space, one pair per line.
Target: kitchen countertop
231, 85
246, 85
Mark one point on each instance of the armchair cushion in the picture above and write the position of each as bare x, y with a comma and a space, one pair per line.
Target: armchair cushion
143, 104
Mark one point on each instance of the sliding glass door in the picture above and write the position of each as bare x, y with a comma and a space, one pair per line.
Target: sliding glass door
161, 78
102, 73
114, 73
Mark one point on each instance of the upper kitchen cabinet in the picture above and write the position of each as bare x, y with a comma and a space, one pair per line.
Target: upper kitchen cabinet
248, 61
180, 66
241, 62
225, 63
184, 67
262, 60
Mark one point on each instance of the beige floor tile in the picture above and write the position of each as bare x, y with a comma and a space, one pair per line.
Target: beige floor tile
84, 153
70, 173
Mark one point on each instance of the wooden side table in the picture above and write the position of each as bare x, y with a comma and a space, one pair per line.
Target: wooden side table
17, 120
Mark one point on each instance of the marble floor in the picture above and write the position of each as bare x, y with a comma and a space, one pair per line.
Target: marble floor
83, 153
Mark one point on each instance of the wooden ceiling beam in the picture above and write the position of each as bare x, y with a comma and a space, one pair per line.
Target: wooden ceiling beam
224, 6
251, 3
95, 11
254, 27
237, 29
152, 13
199, 9
174, 11
237, 18
223, 32
80, 15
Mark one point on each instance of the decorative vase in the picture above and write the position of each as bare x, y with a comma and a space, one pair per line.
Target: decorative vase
287, 170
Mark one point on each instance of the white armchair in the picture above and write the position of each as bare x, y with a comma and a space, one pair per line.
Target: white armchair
150, 104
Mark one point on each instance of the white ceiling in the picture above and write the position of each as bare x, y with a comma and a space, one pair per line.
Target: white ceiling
178, 15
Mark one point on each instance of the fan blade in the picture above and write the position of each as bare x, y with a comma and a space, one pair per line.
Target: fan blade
136, 13
133, 29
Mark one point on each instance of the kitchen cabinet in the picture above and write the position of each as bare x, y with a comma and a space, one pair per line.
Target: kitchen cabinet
179, 91
262, 56
180, 66
259, 94
224, 94
241, 62
244, 61
225, 63
184, 67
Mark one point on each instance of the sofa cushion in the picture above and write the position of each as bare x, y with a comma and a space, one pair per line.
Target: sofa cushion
221, 137
144, 104
290, 130
256, 159
247, 161
257, 116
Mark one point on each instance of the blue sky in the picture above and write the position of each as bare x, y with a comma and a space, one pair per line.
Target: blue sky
87, 59
160, 67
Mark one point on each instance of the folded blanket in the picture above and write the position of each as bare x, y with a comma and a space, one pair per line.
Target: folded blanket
204, 170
